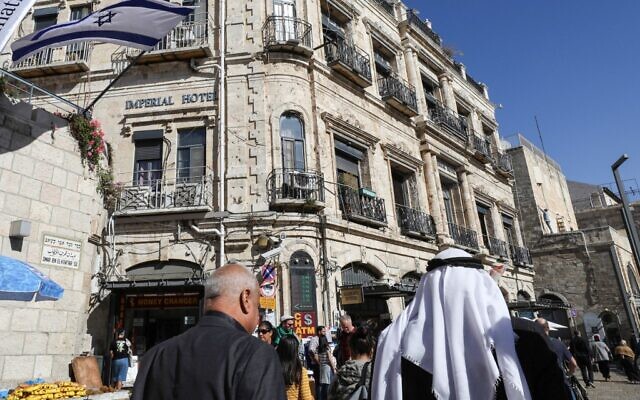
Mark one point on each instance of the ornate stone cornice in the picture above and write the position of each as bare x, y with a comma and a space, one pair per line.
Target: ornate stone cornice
345, 8
348, 131
401, 157
378, 33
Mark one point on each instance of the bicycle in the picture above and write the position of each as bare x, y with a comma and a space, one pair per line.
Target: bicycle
579, 392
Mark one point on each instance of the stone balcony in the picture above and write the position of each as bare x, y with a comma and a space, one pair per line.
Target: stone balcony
350, 61
520, 256
295, 190
451, 123
502, 164
481, 147
185, 190
415, 223
463, 236
498, 248
423, 27
56, 60
398, 94
287, 34
362, 206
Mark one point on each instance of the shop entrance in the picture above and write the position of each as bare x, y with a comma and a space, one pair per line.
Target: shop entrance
374, 307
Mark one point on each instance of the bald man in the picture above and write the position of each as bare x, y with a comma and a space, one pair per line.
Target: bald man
218, 358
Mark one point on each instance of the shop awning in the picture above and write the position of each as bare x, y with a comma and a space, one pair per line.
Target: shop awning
538, 305
20, 281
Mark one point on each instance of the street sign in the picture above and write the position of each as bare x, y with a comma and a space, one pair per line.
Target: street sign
268, 272
268, 289
268, 303
304, 324
574, 312
351, 295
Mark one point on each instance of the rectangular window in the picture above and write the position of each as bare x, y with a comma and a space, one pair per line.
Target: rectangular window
44, 21
148, 162
484, 216
509, 233
191, 154
348, 161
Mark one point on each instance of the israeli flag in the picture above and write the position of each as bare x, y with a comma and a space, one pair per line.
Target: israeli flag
134, 23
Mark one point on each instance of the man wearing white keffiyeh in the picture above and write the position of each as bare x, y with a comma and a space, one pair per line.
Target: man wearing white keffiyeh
458, 332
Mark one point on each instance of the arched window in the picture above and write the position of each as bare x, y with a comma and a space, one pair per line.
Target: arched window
292, 136
523, 296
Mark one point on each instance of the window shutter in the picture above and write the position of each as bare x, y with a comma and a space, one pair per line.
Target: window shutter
148, 150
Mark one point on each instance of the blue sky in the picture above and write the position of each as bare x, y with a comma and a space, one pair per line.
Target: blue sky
575, 64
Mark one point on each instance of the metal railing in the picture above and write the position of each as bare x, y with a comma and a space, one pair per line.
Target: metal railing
21, 89
190, 33
481, 145
412, 220
351, 56
291, 184
497, 247
463, 236
388, 7
503, 162
166, 190
520, 255
415, 20
477, 85
393, 86
76, 52
455, 123
286, 30
358, 206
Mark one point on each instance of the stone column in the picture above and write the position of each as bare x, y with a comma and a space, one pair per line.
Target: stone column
443, 232
476, 124
413, 72
470, 210
447, 91
433, 198
516, 228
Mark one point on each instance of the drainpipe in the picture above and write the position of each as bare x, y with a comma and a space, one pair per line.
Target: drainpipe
325, 270
222, 137
623, 292
201, 231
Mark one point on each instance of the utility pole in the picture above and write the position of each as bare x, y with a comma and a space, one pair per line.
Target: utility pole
626, 211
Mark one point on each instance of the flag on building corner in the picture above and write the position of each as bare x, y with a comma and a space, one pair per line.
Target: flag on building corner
134, 23
11, 13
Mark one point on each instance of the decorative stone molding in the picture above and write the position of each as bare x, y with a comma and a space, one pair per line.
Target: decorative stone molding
377, 32
483, 197
348, 131
400, 156
345, 8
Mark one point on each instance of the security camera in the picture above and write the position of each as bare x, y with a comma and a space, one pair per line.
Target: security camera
271, 253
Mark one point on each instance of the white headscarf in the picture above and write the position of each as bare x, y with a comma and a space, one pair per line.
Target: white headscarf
449, 330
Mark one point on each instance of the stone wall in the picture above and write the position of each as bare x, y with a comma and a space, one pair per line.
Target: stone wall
42, 180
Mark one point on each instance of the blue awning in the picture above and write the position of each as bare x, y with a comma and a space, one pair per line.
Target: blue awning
20, 281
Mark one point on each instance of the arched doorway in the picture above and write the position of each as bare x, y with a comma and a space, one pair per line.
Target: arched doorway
611, 326
409, 284
556, 311
374, 305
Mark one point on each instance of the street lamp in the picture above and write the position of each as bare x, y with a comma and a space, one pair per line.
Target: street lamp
626, 211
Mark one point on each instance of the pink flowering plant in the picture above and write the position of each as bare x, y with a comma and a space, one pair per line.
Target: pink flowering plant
93, 147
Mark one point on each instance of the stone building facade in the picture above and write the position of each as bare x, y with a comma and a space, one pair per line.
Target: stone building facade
43, 182
354, 149
584, 257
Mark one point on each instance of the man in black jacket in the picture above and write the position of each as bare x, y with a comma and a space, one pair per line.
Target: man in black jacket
217, 359
582, 353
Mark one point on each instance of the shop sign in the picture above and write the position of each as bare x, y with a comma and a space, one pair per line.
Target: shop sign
153, 102
163, 301
351, 295
61, 252
304, 324
268, 303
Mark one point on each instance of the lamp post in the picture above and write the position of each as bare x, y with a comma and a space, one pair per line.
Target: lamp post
626, 211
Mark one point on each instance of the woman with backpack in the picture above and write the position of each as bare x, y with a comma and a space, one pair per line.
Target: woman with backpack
295, 375
352, 381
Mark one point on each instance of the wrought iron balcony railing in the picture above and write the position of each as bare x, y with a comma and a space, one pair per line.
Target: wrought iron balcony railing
399, 93
477, 85
497, 247
412, 221
73, 53
482, 146
463, 236
454, 123
153, 191
359, 206
351, 58
385, 5
190, 33
503, 163
415, 20
520, 256
286, 31
290, 185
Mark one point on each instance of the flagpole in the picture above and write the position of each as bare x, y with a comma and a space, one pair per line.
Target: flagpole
87, 110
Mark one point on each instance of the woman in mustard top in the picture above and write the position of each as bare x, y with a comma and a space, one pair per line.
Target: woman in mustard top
295, 376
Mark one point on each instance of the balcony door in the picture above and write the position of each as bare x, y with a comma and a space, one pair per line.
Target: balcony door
148, 162
44, 18
77, 51
292, 140
285, 25
191, 155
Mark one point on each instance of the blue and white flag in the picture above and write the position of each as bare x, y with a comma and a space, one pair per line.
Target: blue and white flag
134, 23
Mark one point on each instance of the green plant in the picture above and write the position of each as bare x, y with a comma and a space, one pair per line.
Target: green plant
3, 85
108, 188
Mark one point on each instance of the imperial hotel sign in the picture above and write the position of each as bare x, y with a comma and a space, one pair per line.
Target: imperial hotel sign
152, 102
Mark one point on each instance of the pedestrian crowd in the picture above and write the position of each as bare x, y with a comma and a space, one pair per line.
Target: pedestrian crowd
456, 340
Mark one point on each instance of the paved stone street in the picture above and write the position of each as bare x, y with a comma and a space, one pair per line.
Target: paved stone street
617, 389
